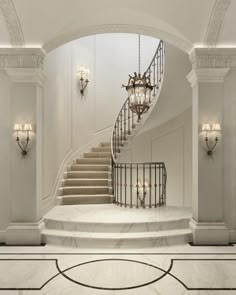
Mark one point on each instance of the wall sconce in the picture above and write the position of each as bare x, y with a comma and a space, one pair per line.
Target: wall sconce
23, 128
83, 79
208, 128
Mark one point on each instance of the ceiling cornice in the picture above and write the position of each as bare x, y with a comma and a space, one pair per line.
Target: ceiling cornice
12, 23
21, 58
213, 57
216, 22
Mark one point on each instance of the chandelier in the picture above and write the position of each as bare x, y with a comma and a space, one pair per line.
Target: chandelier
139, 90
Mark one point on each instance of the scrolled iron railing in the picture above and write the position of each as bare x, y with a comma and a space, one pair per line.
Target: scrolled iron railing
138, 184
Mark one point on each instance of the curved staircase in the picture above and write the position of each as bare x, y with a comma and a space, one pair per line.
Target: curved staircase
99, 177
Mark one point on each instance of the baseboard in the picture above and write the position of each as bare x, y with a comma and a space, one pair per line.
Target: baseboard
232, 236
209, 233
25, 233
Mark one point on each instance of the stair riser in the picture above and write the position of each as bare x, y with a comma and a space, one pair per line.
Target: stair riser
116, 243
86, 182
88, 175
97, 155
89, 168
91, 161
116, 228
86, 191
102, 149
86, 200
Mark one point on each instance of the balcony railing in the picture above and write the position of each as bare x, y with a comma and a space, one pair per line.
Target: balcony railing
140, 184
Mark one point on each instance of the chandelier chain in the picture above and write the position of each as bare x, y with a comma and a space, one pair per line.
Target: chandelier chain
139, 54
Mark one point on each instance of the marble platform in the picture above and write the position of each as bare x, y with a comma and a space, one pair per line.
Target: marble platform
110, 226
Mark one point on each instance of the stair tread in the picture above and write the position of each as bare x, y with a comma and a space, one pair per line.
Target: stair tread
88, 179
87, 196
86, 186
118, 236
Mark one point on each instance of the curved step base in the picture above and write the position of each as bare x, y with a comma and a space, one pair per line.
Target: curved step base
121, 240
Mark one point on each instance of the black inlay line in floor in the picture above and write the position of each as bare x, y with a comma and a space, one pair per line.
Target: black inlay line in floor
165, 273
116, 253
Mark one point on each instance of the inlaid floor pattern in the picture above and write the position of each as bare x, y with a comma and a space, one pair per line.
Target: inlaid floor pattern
88, 180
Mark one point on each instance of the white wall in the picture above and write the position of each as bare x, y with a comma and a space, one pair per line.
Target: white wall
72, 121
170, 143
176, 93
5, 143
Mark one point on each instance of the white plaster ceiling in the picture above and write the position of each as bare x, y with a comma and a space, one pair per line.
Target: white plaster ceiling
183, 23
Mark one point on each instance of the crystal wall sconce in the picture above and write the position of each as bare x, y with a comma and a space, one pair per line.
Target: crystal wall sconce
83, 79
23, 142
212, 136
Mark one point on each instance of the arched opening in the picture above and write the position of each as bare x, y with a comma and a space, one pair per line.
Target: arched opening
167, 133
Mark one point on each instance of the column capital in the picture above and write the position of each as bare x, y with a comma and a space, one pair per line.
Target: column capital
26, 75
21, 58
207, 75
213, 57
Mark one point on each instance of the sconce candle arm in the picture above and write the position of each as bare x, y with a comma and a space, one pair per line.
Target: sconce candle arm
211, 149
23, 149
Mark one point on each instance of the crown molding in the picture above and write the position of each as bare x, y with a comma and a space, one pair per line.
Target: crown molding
207, 75
26, 75
21, 58
12, 22
213, 57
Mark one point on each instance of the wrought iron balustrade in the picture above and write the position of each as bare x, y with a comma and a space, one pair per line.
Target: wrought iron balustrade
140, 184
126, 119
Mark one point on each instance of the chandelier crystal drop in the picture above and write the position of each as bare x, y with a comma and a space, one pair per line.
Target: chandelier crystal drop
139, 90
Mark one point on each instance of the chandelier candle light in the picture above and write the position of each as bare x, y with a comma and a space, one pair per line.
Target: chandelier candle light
139, 90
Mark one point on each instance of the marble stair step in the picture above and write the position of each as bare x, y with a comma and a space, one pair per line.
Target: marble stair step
117, 240
90, 161
97, 155
87, 199
116, 227
88, 174
86, 190
87, 167
86, 182
106, 149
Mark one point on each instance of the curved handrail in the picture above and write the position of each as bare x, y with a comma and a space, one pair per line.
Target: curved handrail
125, 121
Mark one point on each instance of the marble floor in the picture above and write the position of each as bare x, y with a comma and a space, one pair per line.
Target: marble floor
182, 269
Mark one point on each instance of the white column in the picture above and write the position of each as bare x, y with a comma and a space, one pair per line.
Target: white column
208, 196
25, 70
